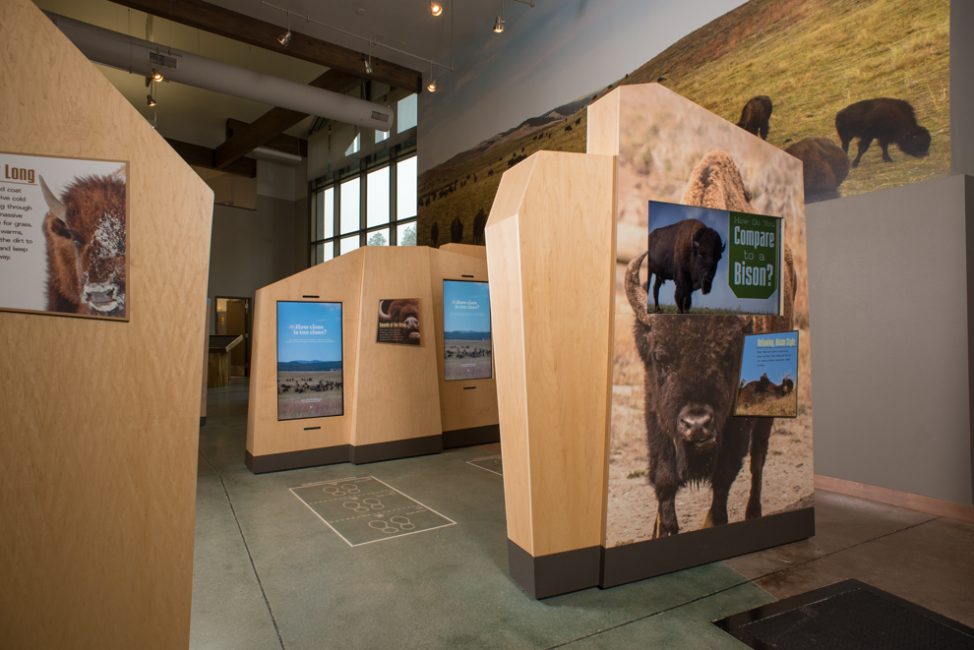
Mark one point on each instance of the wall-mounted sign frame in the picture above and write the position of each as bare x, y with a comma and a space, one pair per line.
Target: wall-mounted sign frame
310, 379
64, 236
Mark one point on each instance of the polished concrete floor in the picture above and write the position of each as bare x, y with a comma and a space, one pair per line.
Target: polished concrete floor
270, 574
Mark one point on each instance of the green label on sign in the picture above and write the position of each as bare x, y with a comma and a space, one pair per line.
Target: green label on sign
753, 265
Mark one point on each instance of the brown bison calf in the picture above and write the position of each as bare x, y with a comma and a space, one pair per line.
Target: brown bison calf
887, 120
85, 234
824, 166
755, 116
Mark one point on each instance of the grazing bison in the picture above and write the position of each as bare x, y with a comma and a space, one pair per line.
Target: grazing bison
479, 225
456, 230
85, 234
887, 120
686, 252
405, 312
755, 116
824, 166
760, 390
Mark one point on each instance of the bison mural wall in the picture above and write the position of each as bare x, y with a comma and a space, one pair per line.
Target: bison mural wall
679, 458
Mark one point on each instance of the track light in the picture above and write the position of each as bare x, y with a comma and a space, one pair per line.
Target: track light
150, 101
156, 75
436, 8
285, 38
368, 65
431, 84
499, 25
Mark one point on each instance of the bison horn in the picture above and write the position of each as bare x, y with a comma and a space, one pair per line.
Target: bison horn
382, 314
53, 204
638, 298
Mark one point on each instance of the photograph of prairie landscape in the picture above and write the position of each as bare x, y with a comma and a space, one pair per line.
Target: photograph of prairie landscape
467, 347
785, 70
679, 460
309, 360
768, 371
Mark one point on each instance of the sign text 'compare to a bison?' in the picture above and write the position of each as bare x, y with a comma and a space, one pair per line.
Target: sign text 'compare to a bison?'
63, 236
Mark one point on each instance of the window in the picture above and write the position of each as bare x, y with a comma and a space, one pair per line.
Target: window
356, 145
376, 207
381, 136
406, 113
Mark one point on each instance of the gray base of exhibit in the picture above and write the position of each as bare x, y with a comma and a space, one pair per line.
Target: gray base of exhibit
561, 573
372, 453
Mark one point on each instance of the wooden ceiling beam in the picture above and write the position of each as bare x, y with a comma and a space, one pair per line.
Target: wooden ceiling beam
274, 122
240, 27
283, 142
201, 156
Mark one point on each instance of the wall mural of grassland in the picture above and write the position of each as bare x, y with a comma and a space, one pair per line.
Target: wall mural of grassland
812, 58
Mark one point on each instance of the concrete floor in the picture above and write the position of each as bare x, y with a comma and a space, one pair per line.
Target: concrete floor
270, 574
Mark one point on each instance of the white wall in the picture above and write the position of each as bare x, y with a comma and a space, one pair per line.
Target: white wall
889, 289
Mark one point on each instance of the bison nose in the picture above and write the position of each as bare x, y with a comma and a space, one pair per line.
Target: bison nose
696, 422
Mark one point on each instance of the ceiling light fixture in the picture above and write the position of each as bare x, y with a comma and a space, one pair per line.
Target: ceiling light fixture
499, 25
285, 38
150, 101
436, 8
431, 85
156, 75
368, 60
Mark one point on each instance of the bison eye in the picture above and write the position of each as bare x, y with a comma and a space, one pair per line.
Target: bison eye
663, 358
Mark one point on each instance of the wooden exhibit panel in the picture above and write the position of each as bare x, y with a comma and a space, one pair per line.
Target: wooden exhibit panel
396, 392
101, 419
590, 404
468, 408
282, 444
549, 248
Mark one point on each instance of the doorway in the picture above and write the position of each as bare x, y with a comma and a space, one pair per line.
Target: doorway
233, 317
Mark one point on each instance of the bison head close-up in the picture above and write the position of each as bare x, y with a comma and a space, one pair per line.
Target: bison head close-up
86, 237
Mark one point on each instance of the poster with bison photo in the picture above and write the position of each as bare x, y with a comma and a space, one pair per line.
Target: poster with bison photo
769, 367
467, 347
708, 261
680, 460
399, 321
63, 236
309, 360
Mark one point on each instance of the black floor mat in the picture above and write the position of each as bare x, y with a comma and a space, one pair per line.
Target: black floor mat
846, 616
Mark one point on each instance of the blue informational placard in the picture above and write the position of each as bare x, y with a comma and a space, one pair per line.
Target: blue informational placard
309, 360
466, 330
769, 369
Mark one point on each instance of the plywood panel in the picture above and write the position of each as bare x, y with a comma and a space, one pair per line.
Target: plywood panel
471, 403
397, 394
338, 280
100, 419
550, 242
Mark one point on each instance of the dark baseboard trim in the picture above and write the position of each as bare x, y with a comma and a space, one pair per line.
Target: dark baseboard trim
297, 459
396, 449
654, 557
202, 420
473, 436
552, 575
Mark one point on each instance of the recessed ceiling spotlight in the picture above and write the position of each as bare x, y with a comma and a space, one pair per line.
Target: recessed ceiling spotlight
156, 75
499, 25
436, 8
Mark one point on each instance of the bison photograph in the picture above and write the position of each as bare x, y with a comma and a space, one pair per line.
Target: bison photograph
890, 121
680, 459
686, 252
85, 233
399, 321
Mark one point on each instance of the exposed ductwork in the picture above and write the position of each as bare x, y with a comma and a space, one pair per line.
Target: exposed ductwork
140, 57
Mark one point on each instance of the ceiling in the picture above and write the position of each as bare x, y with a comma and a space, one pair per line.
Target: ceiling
198, 116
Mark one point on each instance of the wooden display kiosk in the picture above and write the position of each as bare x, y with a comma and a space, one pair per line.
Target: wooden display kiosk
623, 458
100, 418
381, 393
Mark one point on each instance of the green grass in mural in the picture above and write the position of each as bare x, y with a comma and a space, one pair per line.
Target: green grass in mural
812, 57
